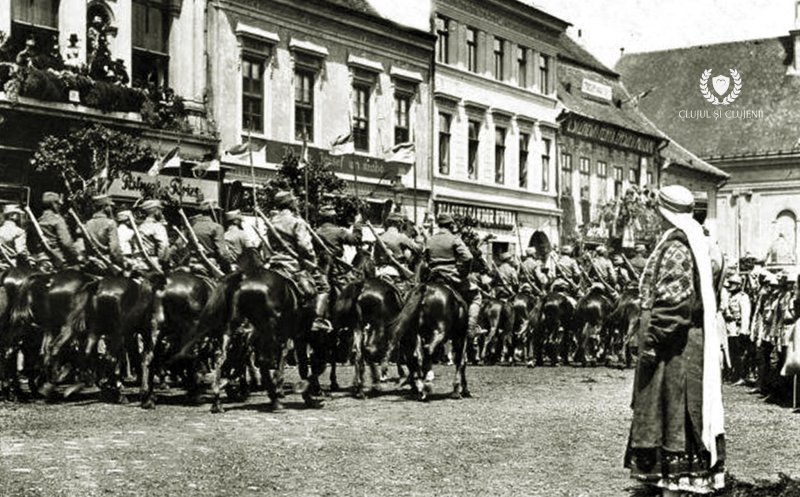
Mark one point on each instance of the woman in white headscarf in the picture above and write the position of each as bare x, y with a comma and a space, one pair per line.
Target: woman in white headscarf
677, 438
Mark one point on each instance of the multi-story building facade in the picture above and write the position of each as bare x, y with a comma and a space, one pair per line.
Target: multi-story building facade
284, 72
753, 137
495, 112
153, 43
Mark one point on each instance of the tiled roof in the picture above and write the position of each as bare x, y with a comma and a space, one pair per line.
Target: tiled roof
675, 75
577, 65
617, 112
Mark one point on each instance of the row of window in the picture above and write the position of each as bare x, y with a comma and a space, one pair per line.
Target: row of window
473, 145
304, 104
585, 171
150, 26
499, 49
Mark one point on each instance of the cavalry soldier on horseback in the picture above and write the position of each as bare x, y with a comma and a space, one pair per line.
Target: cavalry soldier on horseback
604, 268
103, 229
13, 239
154, 237
506, 281
211, 237
567, 267
449, 259
403, 248
295, 257
125, 234
235, 238
335, 238
639, 260
55, 234
532, 269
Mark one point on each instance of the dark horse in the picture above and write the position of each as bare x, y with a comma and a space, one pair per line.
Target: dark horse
523, 307
49, 306
591, 327
554, 335
493, 317
370, 309
13, 345
270, 303
177, 312
433, 314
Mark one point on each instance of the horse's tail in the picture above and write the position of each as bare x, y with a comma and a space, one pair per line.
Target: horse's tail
22, 311
345, 304
410, 314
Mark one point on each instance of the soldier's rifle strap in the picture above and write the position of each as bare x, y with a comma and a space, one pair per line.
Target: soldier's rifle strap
632, 269
325, 246
58, 261
195, 242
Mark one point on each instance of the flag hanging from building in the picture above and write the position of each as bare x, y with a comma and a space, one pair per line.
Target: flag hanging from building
171, 160
241, 150
402, 152
343, 145
209, 164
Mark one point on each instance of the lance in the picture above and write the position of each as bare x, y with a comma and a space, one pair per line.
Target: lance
324, 245
7, 256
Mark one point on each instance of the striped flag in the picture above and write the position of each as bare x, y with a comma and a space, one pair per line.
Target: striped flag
171, 160
209, 164
241, 150
343, 145
402, 152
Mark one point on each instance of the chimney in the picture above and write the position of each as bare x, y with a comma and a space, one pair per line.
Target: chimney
794, 68
621, 52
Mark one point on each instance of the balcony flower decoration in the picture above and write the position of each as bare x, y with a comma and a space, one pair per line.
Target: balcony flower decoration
43, 75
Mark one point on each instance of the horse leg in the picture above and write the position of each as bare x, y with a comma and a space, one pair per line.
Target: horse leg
460, 380
358, 361
220, 356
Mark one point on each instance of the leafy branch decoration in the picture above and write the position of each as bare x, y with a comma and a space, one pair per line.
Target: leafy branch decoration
710, 97
730, 97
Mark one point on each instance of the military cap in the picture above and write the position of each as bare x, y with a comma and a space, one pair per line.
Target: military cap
48, 197
395, 217
207, 205
327, 210
566, 249
735, 279
152, 204
123, 216
102, 201
284, 198
640, 248
233, 215
505, 257
11, 209
530, 252
444, 219
617, 259
601, 250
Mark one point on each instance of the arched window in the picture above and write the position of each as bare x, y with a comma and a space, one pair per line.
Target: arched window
783, 249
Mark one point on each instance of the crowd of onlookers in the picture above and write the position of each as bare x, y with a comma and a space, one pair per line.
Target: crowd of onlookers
760, 311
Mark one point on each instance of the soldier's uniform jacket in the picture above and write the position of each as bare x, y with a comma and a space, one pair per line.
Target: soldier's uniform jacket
736, 312
236, 241
447, 254
104, 231
639, 263
125, 236
13, 239
57, 235
531, 268
212, 238
606, 270
568, 268
397, 243
623, 277
336, 237
295, 234
155, 239
506, 280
